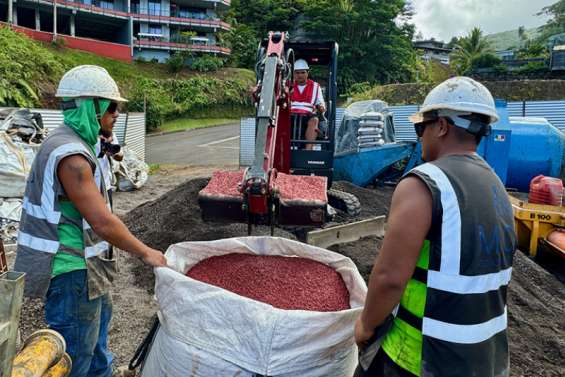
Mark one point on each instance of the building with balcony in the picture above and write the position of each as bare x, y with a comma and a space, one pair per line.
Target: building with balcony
433, 50
148, 29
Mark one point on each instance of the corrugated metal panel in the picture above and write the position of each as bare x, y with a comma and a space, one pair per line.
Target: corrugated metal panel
515, 109
246, 141
134, 133
339, 111
120, 128
51, 118
403, 128
553, 111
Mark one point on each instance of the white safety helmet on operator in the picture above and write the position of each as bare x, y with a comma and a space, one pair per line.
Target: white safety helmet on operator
457, 98
89, 81
301, 65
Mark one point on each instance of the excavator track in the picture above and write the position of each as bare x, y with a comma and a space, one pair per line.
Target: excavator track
345, 202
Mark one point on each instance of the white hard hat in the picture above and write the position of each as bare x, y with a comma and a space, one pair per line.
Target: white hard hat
301, 65
458, 95
89, 81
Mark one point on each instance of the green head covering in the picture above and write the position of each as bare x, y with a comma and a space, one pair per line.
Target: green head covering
83, 120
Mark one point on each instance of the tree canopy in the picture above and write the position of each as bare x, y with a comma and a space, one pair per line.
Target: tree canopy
375, 36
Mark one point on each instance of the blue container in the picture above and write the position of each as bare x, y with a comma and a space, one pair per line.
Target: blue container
361, 168
521, 148
496, 147
537, 148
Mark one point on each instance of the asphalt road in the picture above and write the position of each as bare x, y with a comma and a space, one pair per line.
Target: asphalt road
203, 146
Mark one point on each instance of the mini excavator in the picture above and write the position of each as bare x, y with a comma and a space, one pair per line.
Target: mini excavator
287, 184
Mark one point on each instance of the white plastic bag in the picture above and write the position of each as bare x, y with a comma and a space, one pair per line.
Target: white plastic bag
15, 163
208, 331
132, 172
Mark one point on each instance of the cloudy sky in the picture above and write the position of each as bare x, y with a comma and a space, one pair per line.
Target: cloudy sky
443, 19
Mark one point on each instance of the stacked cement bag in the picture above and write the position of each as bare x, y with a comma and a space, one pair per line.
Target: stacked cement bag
371, 130
208, 331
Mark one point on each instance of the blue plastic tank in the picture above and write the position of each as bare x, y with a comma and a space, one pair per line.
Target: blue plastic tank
537, 148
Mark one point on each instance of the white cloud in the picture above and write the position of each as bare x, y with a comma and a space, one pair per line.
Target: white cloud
444, 19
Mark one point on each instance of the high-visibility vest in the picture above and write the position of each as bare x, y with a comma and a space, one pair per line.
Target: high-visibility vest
452, 317
305, 102
38, 237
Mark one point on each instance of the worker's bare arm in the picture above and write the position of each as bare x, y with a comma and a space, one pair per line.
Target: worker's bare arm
408, 224
75, 174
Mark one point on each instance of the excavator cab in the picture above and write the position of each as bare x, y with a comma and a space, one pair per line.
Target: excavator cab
322, 60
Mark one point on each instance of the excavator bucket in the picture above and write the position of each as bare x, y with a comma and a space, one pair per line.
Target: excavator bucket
221, 200
298, 200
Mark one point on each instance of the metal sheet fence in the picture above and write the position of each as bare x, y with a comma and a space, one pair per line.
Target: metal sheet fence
553, 111
129, 128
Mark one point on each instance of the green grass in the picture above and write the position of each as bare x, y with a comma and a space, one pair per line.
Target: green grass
154, 168
185, 124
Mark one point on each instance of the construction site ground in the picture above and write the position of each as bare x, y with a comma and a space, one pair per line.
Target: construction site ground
165, 211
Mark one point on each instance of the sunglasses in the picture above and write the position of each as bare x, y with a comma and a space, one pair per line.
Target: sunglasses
420, 127
113, 107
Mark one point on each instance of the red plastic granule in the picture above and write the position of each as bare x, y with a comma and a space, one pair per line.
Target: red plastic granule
302, 187
289, 283
224, 183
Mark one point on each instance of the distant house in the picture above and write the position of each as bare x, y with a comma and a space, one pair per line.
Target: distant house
433, 50
505, 54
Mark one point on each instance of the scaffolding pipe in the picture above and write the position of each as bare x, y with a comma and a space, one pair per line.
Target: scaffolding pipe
42, 350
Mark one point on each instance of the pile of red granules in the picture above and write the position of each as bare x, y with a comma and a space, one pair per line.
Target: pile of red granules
290, 283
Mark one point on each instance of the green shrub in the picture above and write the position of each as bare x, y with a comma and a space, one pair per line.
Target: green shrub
486, 60
207, 63
175, 63
358, 88
24, 64
30, 72
532, 68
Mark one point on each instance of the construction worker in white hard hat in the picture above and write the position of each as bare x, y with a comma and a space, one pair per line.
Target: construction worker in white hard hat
306, 100
66, 225
436, 303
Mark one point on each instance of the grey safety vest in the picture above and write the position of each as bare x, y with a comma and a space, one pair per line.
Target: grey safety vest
38, 240
472, 244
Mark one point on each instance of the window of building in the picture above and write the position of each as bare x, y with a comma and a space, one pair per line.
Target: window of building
184, 12
135, 7
155, 8
107, 4
155, 29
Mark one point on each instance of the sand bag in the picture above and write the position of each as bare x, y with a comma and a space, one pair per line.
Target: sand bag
208, 331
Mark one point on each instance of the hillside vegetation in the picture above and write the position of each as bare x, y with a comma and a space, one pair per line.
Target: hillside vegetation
510, 39
30, 71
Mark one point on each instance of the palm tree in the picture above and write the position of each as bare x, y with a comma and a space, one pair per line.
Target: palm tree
467, 48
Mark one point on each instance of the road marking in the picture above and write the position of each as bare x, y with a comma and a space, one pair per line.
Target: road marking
219, 141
